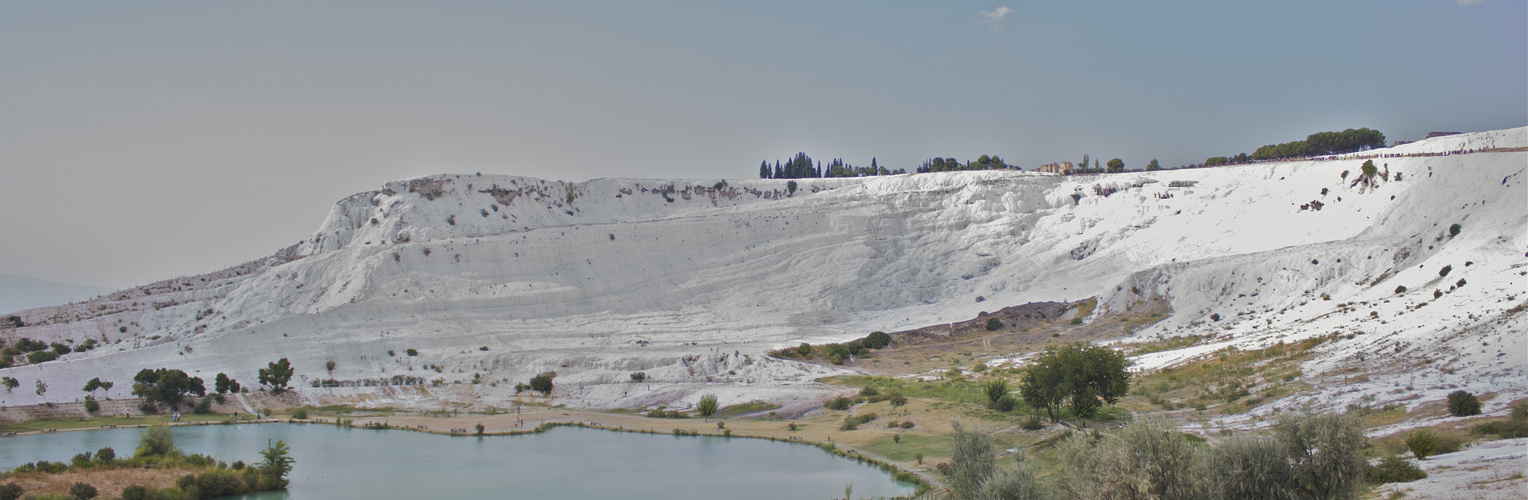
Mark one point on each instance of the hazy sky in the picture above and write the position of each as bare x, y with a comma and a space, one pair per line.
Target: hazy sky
145, 140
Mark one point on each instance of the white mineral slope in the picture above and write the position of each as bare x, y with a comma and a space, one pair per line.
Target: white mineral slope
496, 278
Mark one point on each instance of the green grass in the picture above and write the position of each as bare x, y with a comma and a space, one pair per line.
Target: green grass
95, 423
910, 447
749, 407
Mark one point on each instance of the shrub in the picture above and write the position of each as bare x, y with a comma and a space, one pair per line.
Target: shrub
1394, 469
994, 324
300, 414
877, 340
479, 428
91, 406
1463, 404
994, 389
1247, 467
1421, 443
542, 382
80, 459
1031, 423
411, 352
1400, 289
840, 403
41, 357
897, 399
203, 407
907, 424
638, 376
135, 492
105, 455
157, 440
1005, 403
1325, 453
82, 491
971, 454
1454, 230
1444, 272
11, 491
219, 483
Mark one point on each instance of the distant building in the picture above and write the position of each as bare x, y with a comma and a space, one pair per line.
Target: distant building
1439, 134
1063, 168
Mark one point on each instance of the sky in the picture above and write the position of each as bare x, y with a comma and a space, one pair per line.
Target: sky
141, 141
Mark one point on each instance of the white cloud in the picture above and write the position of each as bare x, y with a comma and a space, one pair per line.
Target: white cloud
1467, 3
996, 15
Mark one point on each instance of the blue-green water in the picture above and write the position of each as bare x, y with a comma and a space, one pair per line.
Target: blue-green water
566, 462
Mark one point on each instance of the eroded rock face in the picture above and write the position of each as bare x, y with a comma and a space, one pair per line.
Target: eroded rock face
679, 279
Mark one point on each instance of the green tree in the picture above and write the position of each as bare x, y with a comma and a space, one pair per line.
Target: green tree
790, 187
11, 491
1153, 165
1116, 165
972, 461
10, 383
42, 388
1083, 376
225, 384
94, 385
542, 382
166, 386
993, 323
707, 406
329, 365
995, 389
276, 375
277, 464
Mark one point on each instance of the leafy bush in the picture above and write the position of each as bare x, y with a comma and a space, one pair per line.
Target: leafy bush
1005, 403
82, 491
105, 455
91, 406
840, 403
1400, 289
1394, 469
300, 414
204, 407
80, 459
897, 399
1515, 426
877, 340
542, 382
1421, 443
157, 440
993, 323
41, 357
1454, 230
1463, 404
11, 491
852, 423
638, 376
1031, 423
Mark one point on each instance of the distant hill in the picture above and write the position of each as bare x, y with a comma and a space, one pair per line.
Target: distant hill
452, 289
20, 292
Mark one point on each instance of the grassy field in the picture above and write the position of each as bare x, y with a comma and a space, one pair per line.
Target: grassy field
98, 422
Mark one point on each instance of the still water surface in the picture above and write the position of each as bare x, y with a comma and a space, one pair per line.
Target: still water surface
563, 463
